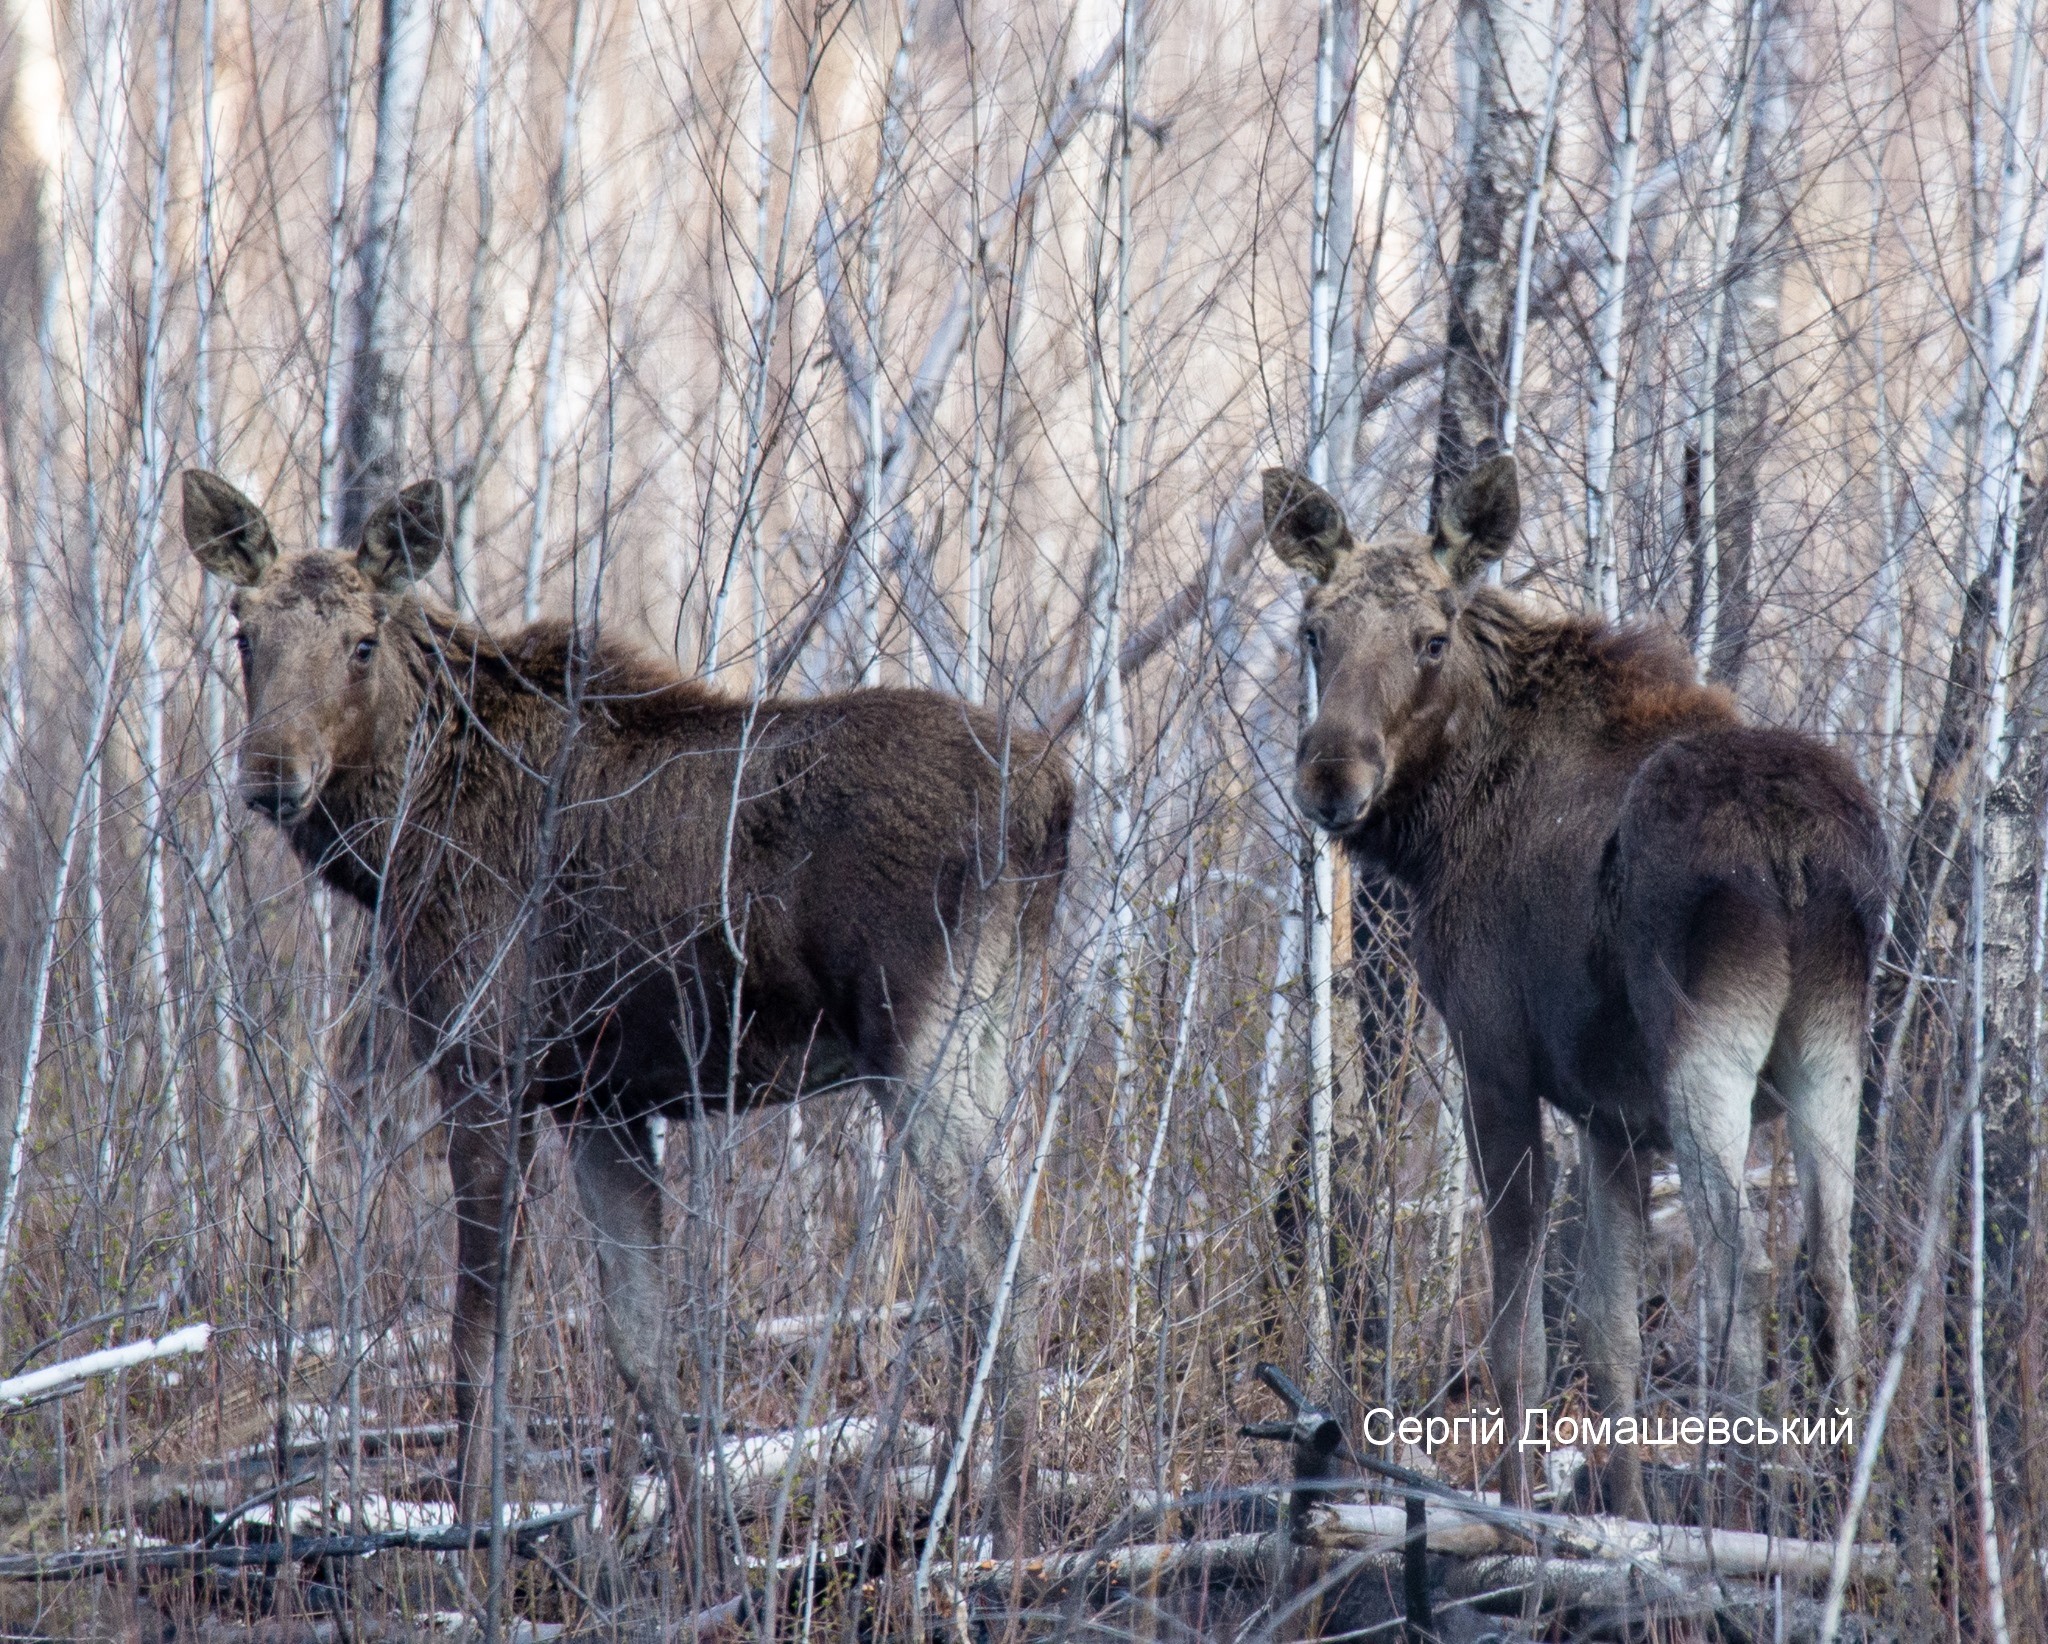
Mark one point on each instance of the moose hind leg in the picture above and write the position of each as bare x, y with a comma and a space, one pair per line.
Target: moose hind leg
951, 1110
1610, 1297
1817, 1068
1724, 1041
619, 1181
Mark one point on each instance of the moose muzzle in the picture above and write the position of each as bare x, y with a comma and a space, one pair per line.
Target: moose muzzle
278, 779
1337, 775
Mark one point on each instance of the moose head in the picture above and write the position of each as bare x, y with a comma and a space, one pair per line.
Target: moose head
310, 626
1382, 630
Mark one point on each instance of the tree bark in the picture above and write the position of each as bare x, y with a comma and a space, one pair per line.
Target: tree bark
1929, 885
1745, 401
373, 414
1505, 50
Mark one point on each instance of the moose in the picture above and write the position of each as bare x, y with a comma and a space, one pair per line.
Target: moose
1627, 902
607, 892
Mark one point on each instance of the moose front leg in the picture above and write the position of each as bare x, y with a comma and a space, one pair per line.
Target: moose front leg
487, 1254
1514, 1180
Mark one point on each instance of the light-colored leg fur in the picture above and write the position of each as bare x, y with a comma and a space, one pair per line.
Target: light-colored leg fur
950, 1105
619, 1181
1817, 1069
1610, 1298
1724, 1041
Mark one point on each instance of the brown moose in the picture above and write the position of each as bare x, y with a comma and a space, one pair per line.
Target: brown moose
1627, 903
585, 870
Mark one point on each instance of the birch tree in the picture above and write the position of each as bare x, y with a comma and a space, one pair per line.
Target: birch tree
1505, 49
373, 429
1603, 579
1738, 417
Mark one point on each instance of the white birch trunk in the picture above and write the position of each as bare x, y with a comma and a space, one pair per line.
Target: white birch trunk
372, 420
983, 453
1525, 250
548, 439
39, 89
108, 42
876, 256
1329, 256
341, 23
2008, 377
1113, 407
484, 383
1505, 51
1287, 968
1603, 579
761, 333
212, 692
1724, 193
152, 483
1980, 1424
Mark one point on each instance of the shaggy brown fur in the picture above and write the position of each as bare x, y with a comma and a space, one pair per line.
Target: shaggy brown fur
1627, 903
610, 892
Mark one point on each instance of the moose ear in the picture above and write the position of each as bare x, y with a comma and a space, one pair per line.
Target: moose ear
228, 532
1305, 524
404, 537
1477, 519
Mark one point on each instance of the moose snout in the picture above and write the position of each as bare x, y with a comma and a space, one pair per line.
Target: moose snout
280, 784
1336, 780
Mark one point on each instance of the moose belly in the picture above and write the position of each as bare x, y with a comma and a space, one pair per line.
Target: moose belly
665, 1045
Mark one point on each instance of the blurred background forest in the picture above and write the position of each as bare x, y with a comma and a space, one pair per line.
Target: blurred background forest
838, 341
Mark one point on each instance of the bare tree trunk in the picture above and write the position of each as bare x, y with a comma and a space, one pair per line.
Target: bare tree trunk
1505, 50
1938, 834
562, 190
1525, 241
1603, 574
341, 27
29, 24
1744, 402
1332, 387
373, 430
152, 483
1113, 408
865, 620
1726, 187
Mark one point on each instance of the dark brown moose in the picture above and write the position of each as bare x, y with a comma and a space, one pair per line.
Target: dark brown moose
1627, 903
585, 869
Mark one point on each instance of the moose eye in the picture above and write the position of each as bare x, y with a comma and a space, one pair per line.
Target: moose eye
1433, 648
1312, 642
366, 648
242, 643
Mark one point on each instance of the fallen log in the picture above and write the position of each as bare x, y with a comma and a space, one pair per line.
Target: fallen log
1598, 1556
197, 1555
69, 1374
1247, 1554
1745, 1554
797, 1329
756, 1460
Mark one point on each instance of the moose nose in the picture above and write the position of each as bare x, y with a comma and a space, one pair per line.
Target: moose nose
284, 800
1331, 812
277, 783
1334, 789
